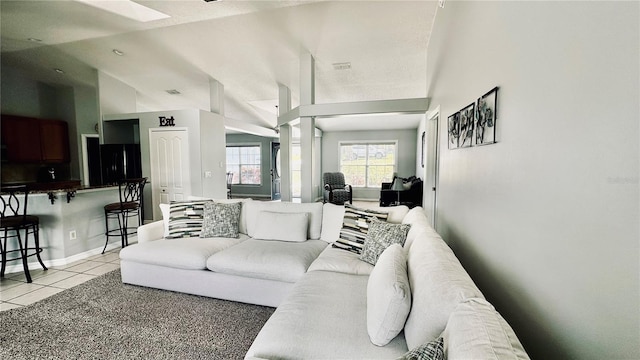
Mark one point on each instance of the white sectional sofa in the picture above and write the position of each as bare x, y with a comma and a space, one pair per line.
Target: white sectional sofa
330, 304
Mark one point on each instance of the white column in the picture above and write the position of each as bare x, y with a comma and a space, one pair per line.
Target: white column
307, 126
216, 97
284, 105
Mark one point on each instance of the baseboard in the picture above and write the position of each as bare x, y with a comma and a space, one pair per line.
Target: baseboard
34, 265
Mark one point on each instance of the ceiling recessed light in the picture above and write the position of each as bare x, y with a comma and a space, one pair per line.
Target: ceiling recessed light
118, 52
59, 71
173, 92
34, 40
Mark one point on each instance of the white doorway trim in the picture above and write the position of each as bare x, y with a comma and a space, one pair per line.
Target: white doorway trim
85, 158
432, 164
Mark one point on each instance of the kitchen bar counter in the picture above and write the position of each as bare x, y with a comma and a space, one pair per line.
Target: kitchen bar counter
52, 188
71, 231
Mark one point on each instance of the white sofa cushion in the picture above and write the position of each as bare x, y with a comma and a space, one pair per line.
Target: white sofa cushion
271, 260
388, 296
438, 284
186, 253
314, 210
477, 331
338, 260
324, 317
420, 226
332, 216
281, 226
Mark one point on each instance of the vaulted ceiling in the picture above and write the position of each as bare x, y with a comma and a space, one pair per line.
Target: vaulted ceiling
248, 46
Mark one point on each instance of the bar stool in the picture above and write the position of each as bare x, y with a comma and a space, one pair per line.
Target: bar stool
14, 219
130, 205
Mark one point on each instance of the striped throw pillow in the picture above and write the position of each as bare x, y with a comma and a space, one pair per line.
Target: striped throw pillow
355, 225
185, 219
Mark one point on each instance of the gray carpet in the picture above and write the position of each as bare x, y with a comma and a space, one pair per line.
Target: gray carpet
105, 319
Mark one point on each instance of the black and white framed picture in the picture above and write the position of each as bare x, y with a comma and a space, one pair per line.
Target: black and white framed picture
485, 125
422, 151
466, 122
453, 123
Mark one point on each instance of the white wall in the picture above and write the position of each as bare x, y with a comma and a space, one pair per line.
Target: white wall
546, 221
406, 153
213, 155
115, 96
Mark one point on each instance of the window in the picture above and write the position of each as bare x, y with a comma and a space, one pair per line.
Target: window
368, 164
244, 162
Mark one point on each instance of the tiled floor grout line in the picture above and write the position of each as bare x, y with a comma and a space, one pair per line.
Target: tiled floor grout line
36, 290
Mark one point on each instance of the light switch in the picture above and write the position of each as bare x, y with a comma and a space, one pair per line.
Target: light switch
208, 174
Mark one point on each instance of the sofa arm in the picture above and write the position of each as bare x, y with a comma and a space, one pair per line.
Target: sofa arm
151, 231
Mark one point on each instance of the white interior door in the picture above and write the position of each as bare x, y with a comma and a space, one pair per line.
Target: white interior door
169, 156
431, 167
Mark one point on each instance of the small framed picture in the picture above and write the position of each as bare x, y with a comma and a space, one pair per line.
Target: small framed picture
453, 123
423, 149
467, 118
485, 124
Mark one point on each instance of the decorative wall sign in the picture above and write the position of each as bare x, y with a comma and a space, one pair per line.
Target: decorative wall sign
164, 121
454, 130
485, 129
422, 152
467, 117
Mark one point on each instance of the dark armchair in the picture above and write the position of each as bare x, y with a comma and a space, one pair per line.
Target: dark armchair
335, 190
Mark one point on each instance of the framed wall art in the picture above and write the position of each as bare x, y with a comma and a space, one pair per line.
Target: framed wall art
466, 122
422, 152
453, 126
485, 126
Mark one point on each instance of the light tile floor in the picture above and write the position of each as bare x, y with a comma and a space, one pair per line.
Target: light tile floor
16, 292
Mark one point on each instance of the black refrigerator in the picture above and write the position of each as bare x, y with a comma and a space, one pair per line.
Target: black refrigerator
120, 161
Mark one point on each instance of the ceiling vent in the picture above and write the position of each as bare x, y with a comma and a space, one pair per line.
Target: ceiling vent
173, 92
342, 66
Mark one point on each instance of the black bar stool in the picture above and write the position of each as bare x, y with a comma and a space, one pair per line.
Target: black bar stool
130, 205
13, 221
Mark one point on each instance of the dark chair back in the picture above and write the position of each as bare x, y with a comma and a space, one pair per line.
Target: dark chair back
11, 204
335, 179
131, 190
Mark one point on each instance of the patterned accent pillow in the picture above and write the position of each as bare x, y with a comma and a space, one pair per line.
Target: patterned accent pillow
433, 350
185, 219
382, 234
355, 226
221, 220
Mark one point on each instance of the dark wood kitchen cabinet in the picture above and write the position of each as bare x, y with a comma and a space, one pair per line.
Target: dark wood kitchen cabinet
30, 140
54, 141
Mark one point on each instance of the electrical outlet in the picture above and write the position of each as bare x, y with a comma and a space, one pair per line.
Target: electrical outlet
72, 235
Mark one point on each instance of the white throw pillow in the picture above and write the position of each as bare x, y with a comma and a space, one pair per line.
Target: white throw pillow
332, 216
281, 226
388, 296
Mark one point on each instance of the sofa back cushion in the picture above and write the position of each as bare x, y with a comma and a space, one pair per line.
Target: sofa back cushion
477, 331
314, 211
438, 284
282, 226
